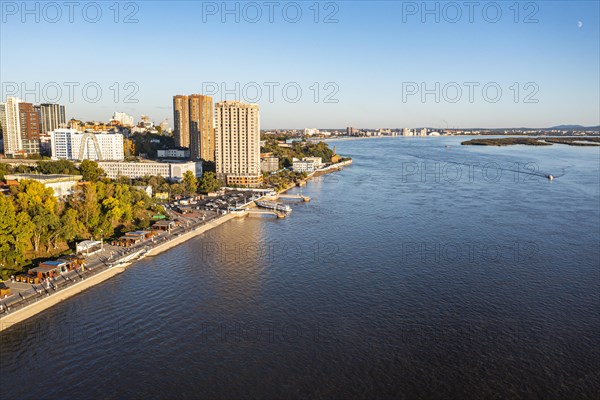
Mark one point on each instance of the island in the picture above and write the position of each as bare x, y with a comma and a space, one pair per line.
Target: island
535, 141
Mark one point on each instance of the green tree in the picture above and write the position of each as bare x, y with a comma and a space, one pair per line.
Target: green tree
87, 208
189, 182
57, 167
4, 170
15, 231
209, 182
90, 171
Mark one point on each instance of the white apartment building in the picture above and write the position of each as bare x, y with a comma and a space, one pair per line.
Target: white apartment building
237, 143
123, 118
304, 165
69, 144
11, 127
407, 132
134, 170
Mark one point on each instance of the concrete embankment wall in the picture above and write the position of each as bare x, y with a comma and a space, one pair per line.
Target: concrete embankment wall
29, 311
41, 305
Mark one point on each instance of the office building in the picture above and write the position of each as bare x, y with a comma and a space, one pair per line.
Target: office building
237, 146
173, 153
134, 170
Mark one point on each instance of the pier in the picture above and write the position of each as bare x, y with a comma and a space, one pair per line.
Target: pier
254, 211
305, 199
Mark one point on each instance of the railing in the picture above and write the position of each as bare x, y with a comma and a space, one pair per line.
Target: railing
41, 291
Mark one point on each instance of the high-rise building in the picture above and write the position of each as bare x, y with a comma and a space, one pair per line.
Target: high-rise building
194, 125
69, 144
181, 120
123, 118
11, 127
30, 128
202, 131
52, 116
237, 145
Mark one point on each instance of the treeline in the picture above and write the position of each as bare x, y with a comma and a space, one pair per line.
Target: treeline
35, 224
298, 150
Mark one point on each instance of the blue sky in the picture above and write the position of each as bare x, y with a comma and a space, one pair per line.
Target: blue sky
366, 67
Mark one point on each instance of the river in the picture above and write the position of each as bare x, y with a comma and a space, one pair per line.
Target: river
426, 269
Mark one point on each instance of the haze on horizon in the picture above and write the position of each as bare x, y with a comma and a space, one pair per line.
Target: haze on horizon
365, 64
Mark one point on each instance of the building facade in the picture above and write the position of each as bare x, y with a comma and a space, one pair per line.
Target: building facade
69, 144
134, 170
237, 145
269, 164
181, 121
202, 131
123, 119
194, 125
11, 127
52, 116
173, 153
303, 165
30, 128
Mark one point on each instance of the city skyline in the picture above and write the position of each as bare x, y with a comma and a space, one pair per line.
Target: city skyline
545, 65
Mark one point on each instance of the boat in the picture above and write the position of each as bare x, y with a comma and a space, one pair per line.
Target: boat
271, 205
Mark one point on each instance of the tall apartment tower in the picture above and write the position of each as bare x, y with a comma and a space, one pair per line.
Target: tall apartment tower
11, 127
181, 121
237, 147
52, 116
202, 131
30, 128
194, 125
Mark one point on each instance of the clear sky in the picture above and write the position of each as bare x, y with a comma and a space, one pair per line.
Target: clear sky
357, 63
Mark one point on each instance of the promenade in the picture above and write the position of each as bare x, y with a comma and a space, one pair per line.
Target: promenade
30, 299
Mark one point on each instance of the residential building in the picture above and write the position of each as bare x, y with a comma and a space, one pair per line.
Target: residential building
311, 131
164, 126
317, 161
52, 117
269, 164
237, 145
123, 119
69, 144
423, 132
181, 120
63, 185
134, 170
30, 128
11, 127
194, 125
202, 131
407, 132
303, 165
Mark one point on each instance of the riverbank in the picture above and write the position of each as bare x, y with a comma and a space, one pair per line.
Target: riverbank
53, 298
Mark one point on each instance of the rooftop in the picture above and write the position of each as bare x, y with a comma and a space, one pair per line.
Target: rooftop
50, 178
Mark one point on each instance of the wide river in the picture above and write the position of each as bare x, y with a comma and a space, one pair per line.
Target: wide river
426, 269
